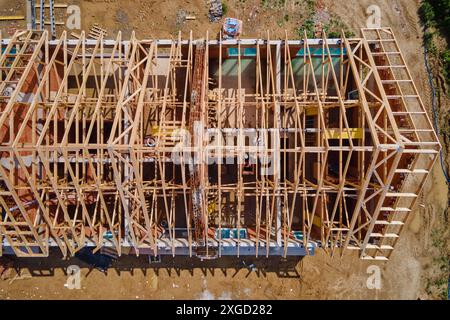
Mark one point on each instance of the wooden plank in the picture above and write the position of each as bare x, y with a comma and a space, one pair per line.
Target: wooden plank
11, 18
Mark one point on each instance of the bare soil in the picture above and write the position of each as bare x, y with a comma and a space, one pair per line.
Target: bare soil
415, 269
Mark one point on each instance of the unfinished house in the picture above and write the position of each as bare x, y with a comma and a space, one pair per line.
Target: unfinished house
209, 147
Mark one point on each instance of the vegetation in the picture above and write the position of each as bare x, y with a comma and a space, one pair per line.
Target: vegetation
435, 16
271, 4
436, 13
308, 25
224, 8
332, 27
437, 284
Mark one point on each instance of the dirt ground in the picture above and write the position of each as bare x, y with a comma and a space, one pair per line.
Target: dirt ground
418, 264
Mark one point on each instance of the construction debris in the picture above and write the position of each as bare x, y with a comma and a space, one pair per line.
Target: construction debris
181, 18
232, 28
215, 10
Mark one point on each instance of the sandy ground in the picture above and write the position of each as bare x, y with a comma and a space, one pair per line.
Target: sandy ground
416, 266
315, 277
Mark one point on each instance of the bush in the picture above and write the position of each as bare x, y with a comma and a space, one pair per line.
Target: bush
435, 14
224, 8
349, 34
426, 13
308, 26
334, 34
445, 58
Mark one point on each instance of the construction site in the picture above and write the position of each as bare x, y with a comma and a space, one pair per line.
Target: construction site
209, 145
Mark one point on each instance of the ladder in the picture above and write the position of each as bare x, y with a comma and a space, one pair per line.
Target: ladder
13, 63
52, 19
42, 21
33, 14
421, 144
24, 240
42, 15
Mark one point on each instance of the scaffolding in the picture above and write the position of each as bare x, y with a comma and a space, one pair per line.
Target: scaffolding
209, 147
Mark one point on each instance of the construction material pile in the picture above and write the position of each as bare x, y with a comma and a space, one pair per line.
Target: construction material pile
231, 28
215, 10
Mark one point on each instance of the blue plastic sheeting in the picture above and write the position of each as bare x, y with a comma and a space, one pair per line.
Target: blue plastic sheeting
10, 59
298, 235
242, 233
247, 52
227, 233
319, 51
233, 52
12, 51
108, 235
250, 52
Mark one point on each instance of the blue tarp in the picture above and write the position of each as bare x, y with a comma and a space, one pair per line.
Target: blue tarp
231, 233
225, 233
12, 51
298, 235
11, 59
242, 233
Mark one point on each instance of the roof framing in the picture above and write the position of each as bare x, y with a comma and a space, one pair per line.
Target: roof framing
88, 131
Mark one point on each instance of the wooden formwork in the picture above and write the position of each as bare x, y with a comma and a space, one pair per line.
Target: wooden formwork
163, 145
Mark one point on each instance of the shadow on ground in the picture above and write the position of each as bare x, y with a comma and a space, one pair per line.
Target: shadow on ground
227, 265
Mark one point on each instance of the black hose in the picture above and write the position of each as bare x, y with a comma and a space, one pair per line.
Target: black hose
433, 107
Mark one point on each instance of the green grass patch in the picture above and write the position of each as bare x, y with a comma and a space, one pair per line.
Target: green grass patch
224, 8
